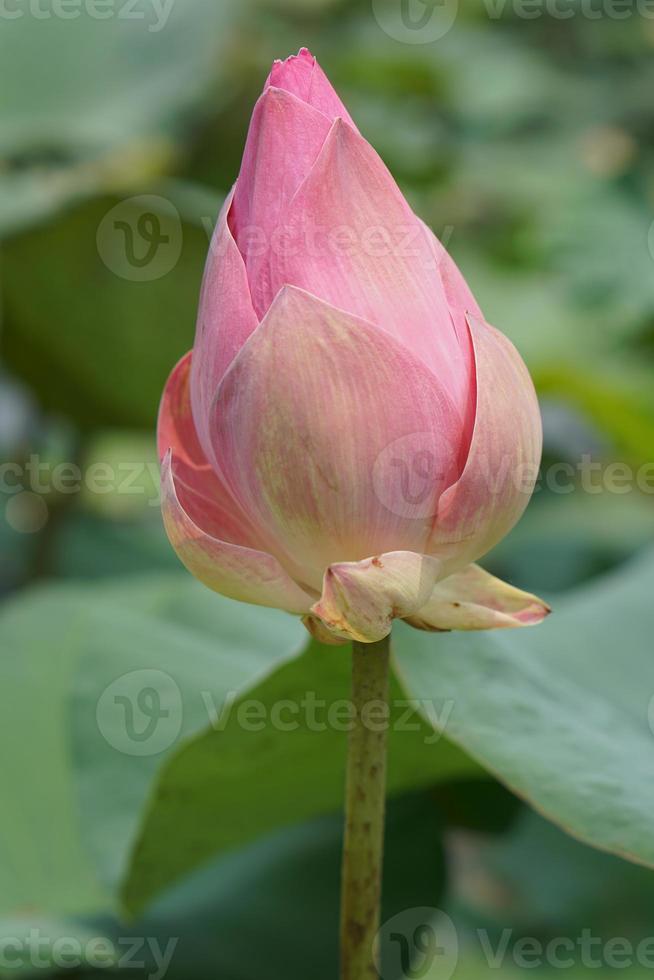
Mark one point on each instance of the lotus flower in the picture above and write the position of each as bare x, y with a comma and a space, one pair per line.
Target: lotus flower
348, 434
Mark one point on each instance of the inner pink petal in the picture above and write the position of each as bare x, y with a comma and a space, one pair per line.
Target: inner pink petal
302, 75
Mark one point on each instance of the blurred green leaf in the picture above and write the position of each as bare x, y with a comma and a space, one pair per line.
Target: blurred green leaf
539, 881
90, 327
561, 713
130, 86
617, 394
88, 547
36, 945
565, 539
276, 902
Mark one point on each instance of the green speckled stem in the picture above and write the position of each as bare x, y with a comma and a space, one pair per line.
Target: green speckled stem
365, 798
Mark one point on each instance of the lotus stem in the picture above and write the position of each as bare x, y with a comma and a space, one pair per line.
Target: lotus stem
365, 801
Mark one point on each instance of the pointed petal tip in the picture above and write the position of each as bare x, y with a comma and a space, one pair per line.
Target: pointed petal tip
534, 614
472, 599
301, 74
303, 52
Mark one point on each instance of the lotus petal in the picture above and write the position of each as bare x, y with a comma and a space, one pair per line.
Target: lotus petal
472, 599
502, 465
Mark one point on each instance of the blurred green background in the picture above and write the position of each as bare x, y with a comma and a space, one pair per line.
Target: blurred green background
526, 140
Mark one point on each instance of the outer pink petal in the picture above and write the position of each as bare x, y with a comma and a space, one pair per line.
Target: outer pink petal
502, 465
354, 242
226, 319
333, 436
284, 140
232, 570
203, 496
303, 77
361, 599
474, 600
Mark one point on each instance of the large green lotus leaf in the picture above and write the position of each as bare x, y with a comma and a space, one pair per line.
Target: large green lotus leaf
561, 713
273, 757
76, 661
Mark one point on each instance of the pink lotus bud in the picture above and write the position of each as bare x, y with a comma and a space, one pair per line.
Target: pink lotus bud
348, 434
